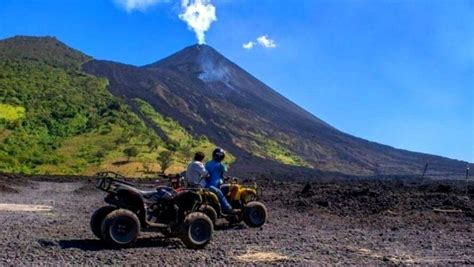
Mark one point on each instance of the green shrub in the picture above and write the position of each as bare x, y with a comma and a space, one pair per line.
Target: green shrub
130, 152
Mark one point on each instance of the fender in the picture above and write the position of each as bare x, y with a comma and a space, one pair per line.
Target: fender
245, 193
210, 198
130, 200
187, 200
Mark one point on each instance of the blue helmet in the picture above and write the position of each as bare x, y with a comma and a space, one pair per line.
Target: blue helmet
218, 154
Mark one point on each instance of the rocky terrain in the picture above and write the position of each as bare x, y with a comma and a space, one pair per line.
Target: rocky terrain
45, 220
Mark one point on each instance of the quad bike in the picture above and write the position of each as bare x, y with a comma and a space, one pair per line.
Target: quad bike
241, 196
164, 210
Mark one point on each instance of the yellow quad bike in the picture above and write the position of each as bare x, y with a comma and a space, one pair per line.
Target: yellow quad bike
242, 196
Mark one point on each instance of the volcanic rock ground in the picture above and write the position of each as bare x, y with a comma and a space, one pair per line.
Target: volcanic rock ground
330, 222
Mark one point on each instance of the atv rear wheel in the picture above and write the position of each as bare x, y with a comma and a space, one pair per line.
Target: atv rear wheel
210, 212
120, 228
196, 231
255, 214
97, 218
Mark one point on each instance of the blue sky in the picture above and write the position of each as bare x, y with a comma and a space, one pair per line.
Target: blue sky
398, 72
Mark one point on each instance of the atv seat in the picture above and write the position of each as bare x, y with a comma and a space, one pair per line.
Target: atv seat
147, 194
161, 192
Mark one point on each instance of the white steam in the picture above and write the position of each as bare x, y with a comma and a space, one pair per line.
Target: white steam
215, 72
199, 15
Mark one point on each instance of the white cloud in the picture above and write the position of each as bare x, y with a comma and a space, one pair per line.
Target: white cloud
249, 45
266, 42
199, 15
263, 41
141, 5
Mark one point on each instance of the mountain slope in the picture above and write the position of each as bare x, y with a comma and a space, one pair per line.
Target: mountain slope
56, 119
211, 96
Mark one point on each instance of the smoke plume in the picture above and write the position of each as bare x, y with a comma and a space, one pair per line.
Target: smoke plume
199, 15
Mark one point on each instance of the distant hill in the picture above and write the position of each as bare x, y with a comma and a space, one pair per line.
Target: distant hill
64, 112
45, 49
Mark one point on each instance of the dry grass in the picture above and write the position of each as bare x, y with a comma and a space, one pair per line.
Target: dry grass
24, 207
261, 257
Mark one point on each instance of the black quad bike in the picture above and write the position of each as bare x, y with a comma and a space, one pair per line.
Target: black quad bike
174, 214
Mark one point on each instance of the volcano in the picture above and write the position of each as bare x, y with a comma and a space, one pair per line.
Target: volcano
211, 96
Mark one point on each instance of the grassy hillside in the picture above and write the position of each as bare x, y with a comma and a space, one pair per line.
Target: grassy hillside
56, 119
270, 147
51, 117
178, 139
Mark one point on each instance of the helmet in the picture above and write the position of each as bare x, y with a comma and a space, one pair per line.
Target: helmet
218, 154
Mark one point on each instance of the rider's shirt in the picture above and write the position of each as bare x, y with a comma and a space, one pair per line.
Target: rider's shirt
216, 171
194, 174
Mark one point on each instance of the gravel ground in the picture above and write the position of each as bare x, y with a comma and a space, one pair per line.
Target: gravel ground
338, 222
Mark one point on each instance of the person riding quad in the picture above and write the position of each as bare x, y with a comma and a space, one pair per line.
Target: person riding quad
196, 171
216, 170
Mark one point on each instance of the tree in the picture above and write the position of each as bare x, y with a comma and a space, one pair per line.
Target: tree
164, 159
122, 139
172, 145
147, 166
130, 152
153, 143
100, 155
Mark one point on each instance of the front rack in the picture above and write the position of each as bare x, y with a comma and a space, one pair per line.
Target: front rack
248, 182
105, 180
109, 174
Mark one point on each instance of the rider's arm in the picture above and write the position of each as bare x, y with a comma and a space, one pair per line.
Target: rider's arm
223, 169
202, 170
208, 173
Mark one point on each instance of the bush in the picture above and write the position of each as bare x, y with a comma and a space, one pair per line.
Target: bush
131, 152
164, 159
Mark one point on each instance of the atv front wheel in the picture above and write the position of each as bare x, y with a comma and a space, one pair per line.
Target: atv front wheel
255, 214
210, 212
97, 218
196, 230
120, 228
